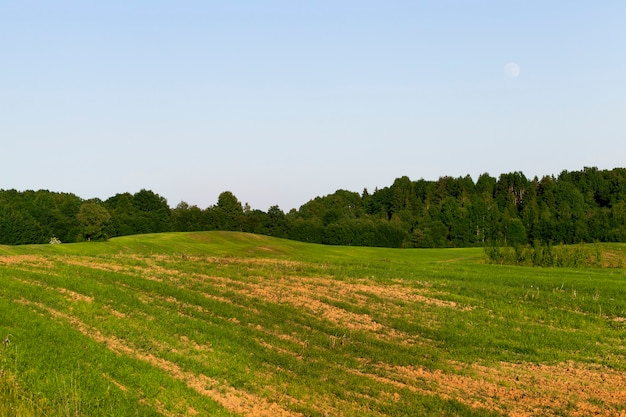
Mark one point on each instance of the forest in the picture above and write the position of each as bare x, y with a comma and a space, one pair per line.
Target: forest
576, 206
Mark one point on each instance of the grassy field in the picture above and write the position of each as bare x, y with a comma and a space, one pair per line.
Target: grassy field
222, 324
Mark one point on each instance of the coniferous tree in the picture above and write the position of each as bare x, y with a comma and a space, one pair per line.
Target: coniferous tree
228, 213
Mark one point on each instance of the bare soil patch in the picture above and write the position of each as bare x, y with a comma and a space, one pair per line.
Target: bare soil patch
322, 295
74, 296
27, 260
611, 259
71, 295
518, 390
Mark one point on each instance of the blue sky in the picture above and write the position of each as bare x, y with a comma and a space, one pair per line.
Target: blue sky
283, 101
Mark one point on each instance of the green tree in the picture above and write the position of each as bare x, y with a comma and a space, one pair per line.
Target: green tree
276, 222
306, 230
404, 202
510, 190
152, 213
19, 227
514, 231
228, 213
123, 215
431, 234
93, 218
186, 218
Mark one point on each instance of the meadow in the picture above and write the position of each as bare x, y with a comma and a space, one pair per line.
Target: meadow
227, 324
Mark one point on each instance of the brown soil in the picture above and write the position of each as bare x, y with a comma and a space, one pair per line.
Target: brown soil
518, 390
74, 296
116, 383
71, 295
33, 260
613, 259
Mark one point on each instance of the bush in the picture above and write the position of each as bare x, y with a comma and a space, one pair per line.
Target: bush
545, 255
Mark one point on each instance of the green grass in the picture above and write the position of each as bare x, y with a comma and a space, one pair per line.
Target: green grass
236, 324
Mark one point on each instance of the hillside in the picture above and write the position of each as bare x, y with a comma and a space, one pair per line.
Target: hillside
220, 323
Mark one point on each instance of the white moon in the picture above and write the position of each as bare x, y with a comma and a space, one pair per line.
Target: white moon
511, 70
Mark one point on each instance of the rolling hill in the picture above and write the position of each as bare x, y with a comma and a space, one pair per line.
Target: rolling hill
225, 323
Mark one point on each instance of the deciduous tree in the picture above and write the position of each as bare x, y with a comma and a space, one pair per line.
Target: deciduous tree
93, 218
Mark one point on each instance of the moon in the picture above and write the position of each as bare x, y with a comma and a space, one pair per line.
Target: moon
511, 70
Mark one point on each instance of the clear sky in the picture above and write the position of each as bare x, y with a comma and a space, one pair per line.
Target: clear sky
282, 101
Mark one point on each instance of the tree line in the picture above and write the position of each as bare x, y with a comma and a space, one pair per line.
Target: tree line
578, 206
